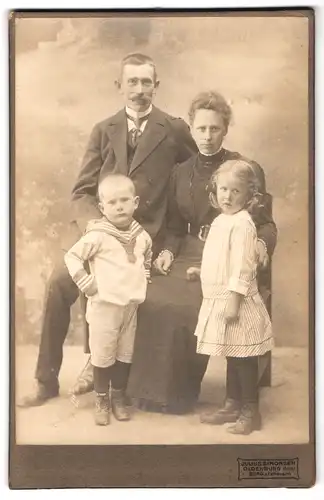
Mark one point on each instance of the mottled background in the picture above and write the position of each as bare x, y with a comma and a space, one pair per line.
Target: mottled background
65, 69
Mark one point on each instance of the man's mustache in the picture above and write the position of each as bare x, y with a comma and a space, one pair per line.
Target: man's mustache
140, 97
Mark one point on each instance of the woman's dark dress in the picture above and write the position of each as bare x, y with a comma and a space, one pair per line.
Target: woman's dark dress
166, 370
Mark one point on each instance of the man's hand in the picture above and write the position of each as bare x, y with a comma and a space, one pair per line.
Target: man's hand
232, 307
193, 273
263, 257
163, 262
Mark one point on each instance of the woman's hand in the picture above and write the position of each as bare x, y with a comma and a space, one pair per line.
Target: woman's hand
232, 307
163, 262
193, 273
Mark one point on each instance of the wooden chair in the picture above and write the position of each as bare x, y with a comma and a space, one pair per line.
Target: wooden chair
264, 280
265, 289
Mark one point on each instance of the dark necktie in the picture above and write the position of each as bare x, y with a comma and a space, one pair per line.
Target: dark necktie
136, 132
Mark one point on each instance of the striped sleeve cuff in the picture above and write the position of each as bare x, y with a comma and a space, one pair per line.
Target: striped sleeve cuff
83, 280
238, 285
264, 244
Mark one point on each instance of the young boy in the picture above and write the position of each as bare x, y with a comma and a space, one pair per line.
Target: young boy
119, 253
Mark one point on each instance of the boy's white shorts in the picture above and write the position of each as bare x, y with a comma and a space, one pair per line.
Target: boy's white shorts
111, 332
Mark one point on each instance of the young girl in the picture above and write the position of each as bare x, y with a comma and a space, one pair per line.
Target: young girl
233, 320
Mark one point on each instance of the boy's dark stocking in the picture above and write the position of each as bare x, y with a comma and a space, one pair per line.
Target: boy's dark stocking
102, 377
120, 374
119, 382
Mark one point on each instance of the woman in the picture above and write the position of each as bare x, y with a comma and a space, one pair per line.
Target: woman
166, 371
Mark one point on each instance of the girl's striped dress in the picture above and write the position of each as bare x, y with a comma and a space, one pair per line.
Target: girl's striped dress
229, 264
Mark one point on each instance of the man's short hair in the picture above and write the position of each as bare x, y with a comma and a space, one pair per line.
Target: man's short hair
137, 59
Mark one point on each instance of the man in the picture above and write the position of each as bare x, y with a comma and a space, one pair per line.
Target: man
144, 143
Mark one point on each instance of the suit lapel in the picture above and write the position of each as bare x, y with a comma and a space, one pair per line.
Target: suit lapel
153, 134
117, 131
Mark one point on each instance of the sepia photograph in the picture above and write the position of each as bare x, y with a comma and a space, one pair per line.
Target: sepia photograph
162, 237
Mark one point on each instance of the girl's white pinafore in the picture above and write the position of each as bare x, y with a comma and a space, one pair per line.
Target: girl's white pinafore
229, 264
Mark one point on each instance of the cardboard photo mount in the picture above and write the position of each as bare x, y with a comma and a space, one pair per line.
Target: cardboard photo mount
215, 465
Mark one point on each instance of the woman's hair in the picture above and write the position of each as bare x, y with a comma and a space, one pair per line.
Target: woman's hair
213, 101
243, 170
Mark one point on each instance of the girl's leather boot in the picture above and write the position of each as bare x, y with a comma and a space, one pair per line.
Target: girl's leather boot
229, 413
248, 421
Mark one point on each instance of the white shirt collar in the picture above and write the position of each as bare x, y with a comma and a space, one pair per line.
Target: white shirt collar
211, 154
140, 114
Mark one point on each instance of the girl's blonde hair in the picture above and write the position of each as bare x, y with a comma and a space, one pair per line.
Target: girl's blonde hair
245, 172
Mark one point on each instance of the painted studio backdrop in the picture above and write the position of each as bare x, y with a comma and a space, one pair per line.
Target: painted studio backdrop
65, 72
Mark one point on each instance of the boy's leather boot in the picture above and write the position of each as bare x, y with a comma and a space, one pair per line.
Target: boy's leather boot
118, 404
102, 411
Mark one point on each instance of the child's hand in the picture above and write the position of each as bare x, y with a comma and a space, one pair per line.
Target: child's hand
193, 273
232, 308
163, 262
92, 289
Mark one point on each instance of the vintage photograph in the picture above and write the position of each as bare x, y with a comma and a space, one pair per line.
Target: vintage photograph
162, 229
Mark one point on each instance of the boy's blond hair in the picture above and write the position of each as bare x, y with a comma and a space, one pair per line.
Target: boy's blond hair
110, 180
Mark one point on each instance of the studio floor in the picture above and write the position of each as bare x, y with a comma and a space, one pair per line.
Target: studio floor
284, 407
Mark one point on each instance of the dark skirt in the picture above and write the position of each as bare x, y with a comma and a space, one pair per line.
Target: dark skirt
166, 371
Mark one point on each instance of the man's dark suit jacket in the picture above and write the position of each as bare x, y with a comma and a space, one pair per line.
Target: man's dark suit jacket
165, 141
